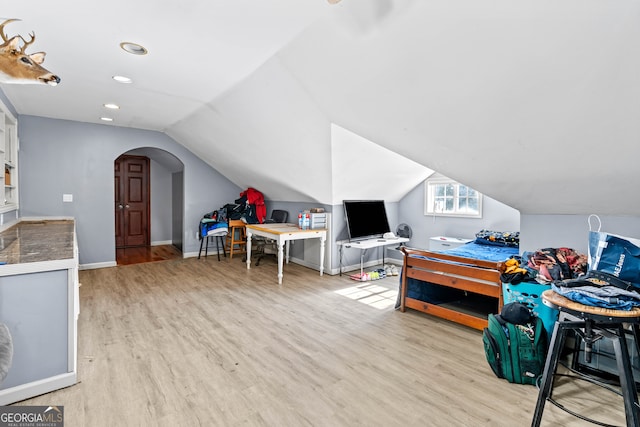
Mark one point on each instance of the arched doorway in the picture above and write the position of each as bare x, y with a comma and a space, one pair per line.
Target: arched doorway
148, 206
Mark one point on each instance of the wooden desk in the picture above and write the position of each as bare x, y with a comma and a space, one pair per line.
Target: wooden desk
283, 234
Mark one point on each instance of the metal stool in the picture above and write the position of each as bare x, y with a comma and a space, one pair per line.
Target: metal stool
590, 324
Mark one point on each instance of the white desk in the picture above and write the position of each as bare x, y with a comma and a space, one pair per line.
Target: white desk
283, 234
363, 245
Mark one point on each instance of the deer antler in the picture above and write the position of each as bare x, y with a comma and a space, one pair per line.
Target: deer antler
27, 43
4, 36
18, 67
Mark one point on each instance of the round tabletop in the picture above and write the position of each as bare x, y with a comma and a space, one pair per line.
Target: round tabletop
554, 299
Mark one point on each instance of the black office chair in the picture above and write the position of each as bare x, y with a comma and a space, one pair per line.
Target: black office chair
277, 216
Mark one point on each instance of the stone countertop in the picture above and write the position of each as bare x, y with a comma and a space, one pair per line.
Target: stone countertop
37, 241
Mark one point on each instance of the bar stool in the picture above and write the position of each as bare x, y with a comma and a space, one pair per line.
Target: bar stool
236, 242
590, 324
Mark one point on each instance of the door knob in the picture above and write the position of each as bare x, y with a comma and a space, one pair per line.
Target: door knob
120, 206
126, 206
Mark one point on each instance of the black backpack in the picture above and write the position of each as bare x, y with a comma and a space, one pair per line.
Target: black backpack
515, 344
234, 210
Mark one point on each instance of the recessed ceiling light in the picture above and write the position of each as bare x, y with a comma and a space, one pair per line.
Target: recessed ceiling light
106, 119
112, 106
122, 79
134, 48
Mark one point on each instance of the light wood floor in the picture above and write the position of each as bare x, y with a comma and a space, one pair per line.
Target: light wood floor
201, 342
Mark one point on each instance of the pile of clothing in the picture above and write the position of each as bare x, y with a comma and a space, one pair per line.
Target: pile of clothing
498, 238
545, 266
249, 207
600, 290
567, 273
549, 264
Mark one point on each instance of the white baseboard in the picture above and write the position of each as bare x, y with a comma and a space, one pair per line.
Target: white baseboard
346, 268
37, 388
97, 265
162, 242
189, 254
365, 266
331, 272
212, 252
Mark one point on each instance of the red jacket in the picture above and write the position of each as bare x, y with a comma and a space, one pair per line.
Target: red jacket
254, 197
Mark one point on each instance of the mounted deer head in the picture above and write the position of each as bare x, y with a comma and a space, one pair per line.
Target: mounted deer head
16, 67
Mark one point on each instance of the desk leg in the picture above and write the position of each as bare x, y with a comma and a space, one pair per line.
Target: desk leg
249, 249
322, 240
384, 249
287, 251
280, 261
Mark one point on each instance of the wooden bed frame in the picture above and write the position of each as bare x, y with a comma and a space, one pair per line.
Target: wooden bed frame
470, 275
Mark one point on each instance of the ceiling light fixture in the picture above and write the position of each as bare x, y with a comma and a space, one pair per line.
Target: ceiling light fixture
122, 79
133, 48
112, 106
106, 119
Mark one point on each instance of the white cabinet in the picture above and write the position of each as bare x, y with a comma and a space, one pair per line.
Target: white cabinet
9, 159
442, 243
40, 307
311, 254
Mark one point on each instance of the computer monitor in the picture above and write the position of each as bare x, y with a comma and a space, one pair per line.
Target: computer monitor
366, 218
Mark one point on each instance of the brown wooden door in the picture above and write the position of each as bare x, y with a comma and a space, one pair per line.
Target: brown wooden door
132, 201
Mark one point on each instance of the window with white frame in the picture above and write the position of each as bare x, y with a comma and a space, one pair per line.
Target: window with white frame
445, 197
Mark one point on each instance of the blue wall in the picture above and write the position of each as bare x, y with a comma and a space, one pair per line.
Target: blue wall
63, 157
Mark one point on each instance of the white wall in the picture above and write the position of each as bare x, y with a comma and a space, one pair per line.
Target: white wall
266, 134
533, 103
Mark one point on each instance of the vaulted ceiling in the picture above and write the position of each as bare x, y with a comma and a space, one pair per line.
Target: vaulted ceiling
534, 103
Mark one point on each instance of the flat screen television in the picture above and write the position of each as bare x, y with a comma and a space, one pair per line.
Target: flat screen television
365, 218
